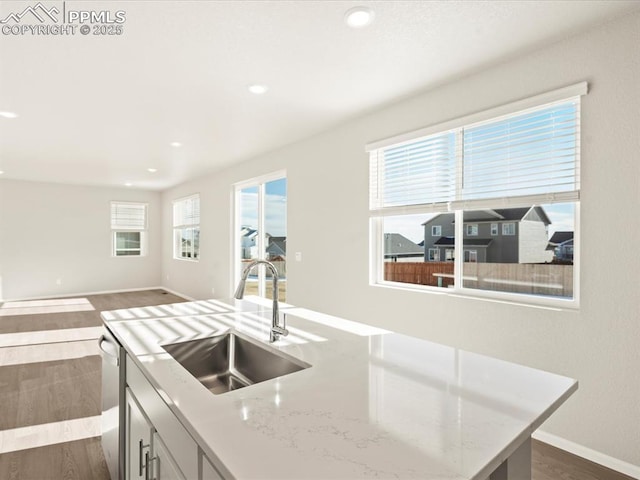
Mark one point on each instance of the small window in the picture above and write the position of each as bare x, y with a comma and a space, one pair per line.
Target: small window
434, 255
186, 228
471, 256
128, 229
494, 229
508, 228
472, 230
436, 231
449, 254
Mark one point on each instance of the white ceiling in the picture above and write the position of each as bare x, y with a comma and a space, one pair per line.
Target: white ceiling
101, 110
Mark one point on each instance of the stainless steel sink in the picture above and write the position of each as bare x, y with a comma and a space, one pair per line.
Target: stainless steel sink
227, 362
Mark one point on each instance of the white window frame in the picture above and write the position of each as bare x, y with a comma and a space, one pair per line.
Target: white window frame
471, 229
261, 244
494, 229
509, 229
436, 254
116, 229
377, 214
178, 227
471, 255
449, 255
436, 230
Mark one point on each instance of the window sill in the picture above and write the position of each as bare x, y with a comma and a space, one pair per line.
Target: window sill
521, 300
192, 260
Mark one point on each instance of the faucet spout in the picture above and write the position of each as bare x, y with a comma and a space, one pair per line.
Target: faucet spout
276, 330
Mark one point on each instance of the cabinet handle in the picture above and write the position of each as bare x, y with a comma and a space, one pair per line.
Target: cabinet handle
142, 446
146, 466
110, 354
148, 462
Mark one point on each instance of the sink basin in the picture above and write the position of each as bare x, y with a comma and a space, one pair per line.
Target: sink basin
227, 362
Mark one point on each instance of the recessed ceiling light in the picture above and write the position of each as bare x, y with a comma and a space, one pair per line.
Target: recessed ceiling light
1, 172
152, 170
358, 17
8, 115
128, 184
175, 144
258, 89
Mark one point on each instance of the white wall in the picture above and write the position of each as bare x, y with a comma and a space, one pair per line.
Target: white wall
50, 231
328, 222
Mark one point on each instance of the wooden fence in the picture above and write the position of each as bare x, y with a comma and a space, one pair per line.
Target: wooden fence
281, 266
420, 273
537, 279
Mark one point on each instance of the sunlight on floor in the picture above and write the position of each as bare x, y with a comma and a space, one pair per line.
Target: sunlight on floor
33, 436
20, 339
48, 352
34, 307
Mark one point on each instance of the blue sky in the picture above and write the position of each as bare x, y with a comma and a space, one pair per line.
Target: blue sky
275, 207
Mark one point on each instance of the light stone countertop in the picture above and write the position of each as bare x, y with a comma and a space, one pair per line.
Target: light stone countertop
373, 404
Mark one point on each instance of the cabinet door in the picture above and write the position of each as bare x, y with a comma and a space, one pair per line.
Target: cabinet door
163, 465
138, 440
208, 472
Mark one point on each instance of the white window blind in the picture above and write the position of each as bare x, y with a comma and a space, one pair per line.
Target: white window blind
128, 216
531, 153
414, 173
527, 153
186, 211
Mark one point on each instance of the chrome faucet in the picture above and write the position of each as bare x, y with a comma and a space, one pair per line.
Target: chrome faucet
276, 330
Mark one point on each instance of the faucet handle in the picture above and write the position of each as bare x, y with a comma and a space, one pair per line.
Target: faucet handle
280, 331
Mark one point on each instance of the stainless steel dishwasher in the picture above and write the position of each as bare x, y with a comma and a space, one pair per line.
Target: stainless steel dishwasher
113, 411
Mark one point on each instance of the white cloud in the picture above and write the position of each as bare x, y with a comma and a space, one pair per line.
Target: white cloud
408, 225
275, 212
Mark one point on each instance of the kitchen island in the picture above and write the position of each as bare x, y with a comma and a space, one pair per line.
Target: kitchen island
371, 404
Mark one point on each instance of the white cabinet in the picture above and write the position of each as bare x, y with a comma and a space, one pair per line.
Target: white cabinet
138, 440
147, 455
158, 447
163, 465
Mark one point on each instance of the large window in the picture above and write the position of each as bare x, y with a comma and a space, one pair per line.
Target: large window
128, 229
500, 184
186, 228
261, 232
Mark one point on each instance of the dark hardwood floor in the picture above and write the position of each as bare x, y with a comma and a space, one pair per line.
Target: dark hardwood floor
33, 394
79, 460
40, 393
43, 392
551, 463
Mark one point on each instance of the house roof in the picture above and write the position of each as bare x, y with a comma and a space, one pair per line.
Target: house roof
498, 215
477, 242
443, 217
277, 246
442, 241
468, 242
248, 231
399, 245
561, 237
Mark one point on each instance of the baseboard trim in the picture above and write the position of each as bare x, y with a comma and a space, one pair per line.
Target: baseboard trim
588, 454
186, 297
102, 292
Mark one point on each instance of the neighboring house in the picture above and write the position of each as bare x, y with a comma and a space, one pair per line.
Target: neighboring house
504, 235
277, 248
398, 248
561, 243
249, 242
